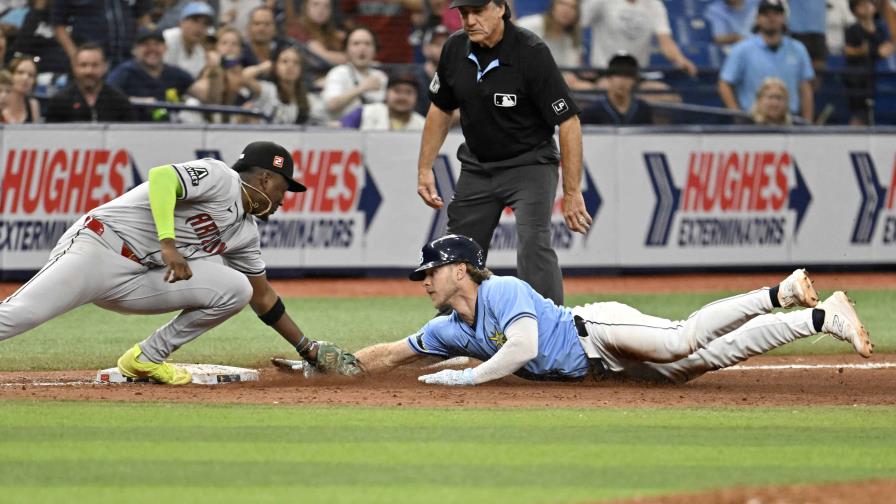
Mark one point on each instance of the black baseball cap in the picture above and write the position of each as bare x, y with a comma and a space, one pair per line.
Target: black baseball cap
623, 64
771, 5
468, 3
403, 78
270, 156
145, 33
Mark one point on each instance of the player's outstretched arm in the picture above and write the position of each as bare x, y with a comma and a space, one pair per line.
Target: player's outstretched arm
384, 357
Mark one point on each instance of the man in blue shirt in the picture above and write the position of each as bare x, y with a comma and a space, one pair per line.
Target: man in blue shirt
770, 53
730, 20
148, 78
504, 323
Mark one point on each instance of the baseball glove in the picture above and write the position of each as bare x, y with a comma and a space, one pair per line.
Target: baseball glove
333, 360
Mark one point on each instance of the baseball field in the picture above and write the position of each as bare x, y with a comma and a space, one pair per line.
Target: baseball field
811, 422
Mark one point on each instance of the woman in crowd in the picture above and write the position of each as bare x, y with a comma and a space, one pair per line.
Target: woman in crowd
316, 28
284, 98
770, 107
21, 107
559, 28
355, 83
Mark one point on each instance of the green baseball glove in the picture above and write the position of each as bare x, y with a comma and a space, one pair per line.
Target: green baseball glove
332, 359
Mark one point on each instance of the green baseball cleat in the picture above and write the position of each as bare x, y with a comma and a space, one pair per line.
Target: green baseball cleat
168, 374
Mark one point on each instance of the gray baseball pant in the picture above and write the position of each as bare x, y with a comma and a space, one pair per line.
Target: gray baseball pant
485, 189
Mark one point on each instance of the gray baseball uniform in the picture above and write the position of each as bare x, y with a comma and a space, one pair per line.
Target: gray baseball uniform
110, 257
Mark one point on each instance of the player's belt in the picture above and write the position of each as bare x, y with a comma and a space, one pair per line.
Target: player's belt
111, 239
596, 366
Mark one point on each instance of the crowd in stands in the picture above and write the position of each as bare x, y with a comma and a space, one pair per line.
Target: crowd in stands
367, 64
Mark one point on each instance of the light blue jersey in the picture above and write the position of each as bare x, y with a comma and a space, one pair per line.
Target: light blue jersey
751, 61
500, 302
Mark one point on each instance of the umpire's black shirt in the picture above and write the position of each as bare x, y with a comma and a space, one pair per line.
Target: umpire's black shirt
510, 96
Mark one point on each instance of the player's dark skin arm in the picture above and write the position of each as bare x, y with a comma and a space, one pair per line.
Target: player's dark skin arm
263, 298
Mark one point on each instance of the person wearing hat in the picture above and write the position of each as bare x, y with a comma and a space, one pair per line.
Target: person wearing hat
505, 328
186, 241
511, 98
769, 53
111, 24
431, 47
396, 114
185, 41
147, 77
619, 107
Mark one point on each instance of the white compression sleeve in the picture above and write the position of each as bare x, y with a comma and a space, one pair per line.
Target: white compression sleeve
520, 348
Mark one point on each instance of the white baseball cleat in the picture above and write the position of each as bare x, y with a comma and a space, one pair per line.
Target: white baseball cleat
797, 290
842, 322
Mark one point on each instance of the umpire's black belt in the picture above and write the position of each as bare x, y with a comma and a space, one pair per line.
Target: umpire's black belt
596, 365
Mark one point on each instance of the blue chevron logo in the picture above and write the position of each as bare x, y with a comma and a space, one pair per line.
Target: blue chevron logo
370, 199
667, 199
799, 198
873, 195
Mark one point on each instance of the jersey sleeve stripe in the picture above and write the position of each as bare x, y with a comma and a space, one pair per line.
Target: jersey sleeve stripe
517, 317
183, 183
415, 346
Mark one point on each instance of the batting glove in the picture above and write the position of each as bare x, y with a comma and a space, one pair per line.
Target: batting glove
450, 377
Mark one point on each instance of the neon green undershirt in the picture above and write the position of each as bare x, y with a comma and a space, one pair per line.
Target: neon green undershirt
164, 189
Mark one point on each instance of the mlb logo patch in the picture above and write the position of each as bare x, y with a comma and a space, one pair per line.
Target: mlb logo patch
560, 106
278, 161
505, 100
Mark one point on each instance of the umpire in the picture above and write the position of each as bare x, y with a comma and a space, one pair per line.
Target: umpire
511, 96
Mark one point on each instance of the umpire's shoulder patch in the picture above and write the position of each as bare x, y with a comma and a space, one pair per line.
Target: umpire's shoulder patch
196, 174
435, 85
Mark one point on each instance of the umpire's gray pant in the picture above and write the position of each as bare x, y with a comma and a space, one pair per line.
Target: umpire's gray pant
528, 185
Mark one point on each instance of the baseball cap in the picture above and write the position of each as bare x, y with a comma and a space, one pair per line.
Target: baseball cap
623, 64
771, 5
468, 3
270, 156
438, 30
148, 33
403, 78
197, 9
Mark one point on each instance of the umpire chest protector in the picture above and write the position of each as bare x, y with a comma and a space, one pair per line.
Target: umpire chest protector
510, 97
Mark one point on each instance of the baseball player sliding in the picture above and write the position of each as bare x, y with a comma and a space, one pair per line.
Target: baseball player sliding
147, 252
504, 323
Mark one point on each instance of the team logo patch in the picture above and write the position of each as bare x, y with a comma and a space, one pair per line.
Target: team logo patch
278, 161
560, 106
435, 85
498, 339
196, 174
505, 100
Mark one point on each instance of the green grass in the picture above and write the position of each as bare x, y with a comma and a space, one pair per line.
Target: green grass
90, 337
210, 453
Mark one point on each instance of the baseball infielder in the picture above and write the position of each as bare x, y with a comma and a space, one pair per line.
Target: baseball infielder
503, 322
153, 250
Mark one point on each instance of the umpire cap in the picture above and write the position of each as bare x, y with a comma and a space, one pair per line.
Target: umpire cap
446, 250
270, 156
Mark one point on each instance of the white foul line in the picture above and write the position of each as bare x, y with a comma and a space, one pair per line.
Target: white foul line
868, 365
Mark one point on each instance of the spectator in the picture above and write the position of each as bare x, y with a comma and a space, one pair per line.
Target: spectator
356, 82
183, 43
316, 28
770, 53
236, 13
619, 107
629, 26
730, 21
109, 23
389, 19
867, 41
433, 41
21, 107
86, 98
146, 77
838, 19
559, 28
227, 87
5, 89
36, 37
229, 44
771, 105
806, 23
396, 114
284, 98
261, 36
